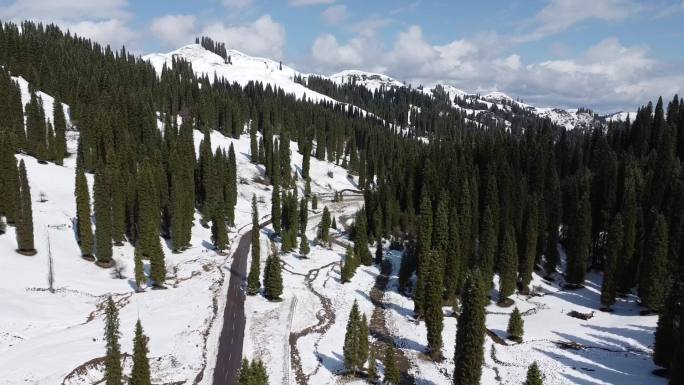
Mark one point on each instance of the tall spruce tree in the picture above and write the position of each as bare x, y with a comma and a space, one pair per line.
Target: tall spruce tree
392, 375
654, 267
140, 375
103, 218
353, 348
59, 121
276, 218
25, 220
424, 246
148, 242
304, 246
579, 242
614, 252
470, 335
219, 233
10, 187
507, 266
434, 318
665, 334
273, 279
325, 225
231, 183
113, 371
530, 245
515, 325
83, 222
253, 279
361, 239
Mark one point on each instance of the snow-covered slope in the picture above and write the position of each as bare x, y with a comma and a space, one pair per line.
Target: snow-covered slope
619, 116
241, 69
370, 80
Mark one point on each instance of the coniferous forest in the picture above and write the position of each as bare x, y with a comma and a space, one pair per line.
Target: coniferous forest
475, 207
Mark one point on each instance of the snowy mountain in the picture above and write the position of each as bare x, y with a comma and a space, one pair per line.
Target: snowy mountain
372, 81
242, 68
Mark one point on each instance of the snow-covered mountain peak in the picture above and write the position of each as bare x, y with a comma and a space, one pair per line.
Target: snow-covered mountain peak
370, 80
497, 96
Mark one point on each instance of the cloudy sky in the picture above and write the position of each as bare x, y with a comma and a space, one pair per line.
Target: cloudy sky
605, 54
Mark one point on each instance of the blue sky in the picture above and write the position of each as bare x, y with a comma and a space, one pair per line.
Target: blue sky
605, 54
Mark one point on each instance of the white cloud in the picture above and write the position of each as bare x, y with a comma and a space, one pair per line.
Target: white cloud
335, 14
559, 15
263, 37
237, 4
113, 32
328, 52
305, 3
69, 10
606, 76
174, 30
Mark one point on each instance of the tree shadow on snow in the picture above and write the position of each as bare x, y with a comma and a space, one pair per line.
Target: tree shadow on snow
334, 364
606, 359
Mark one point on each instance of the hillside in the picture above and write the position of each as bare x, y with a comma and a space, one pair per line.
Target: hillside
324, 227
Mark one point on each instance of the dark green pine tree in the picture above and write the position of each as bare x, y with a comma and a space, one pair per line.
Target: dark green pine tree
284, 152
303, 215
534, 376
325, 225
219, 233
103, 218
25, 220
273, 279
148, 242
276, 213
529, 254
470, 335
379, 253
259, 375
579, 242
424, 246
553, 216
488, 242
306, 161
630, 216
139, 270
83, 222
352, 337
253, 144
304, 246
60, 147
244, 376
654, 267
36, 130
614, 252
507, 266
392, 375
676, 368
140, 375
253, 278
231, 183
665, 341
364, 346
118, 204
348, 266
9, 180
515, 326
113, 371
434, 317
314, 202
372, 366
361, 239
